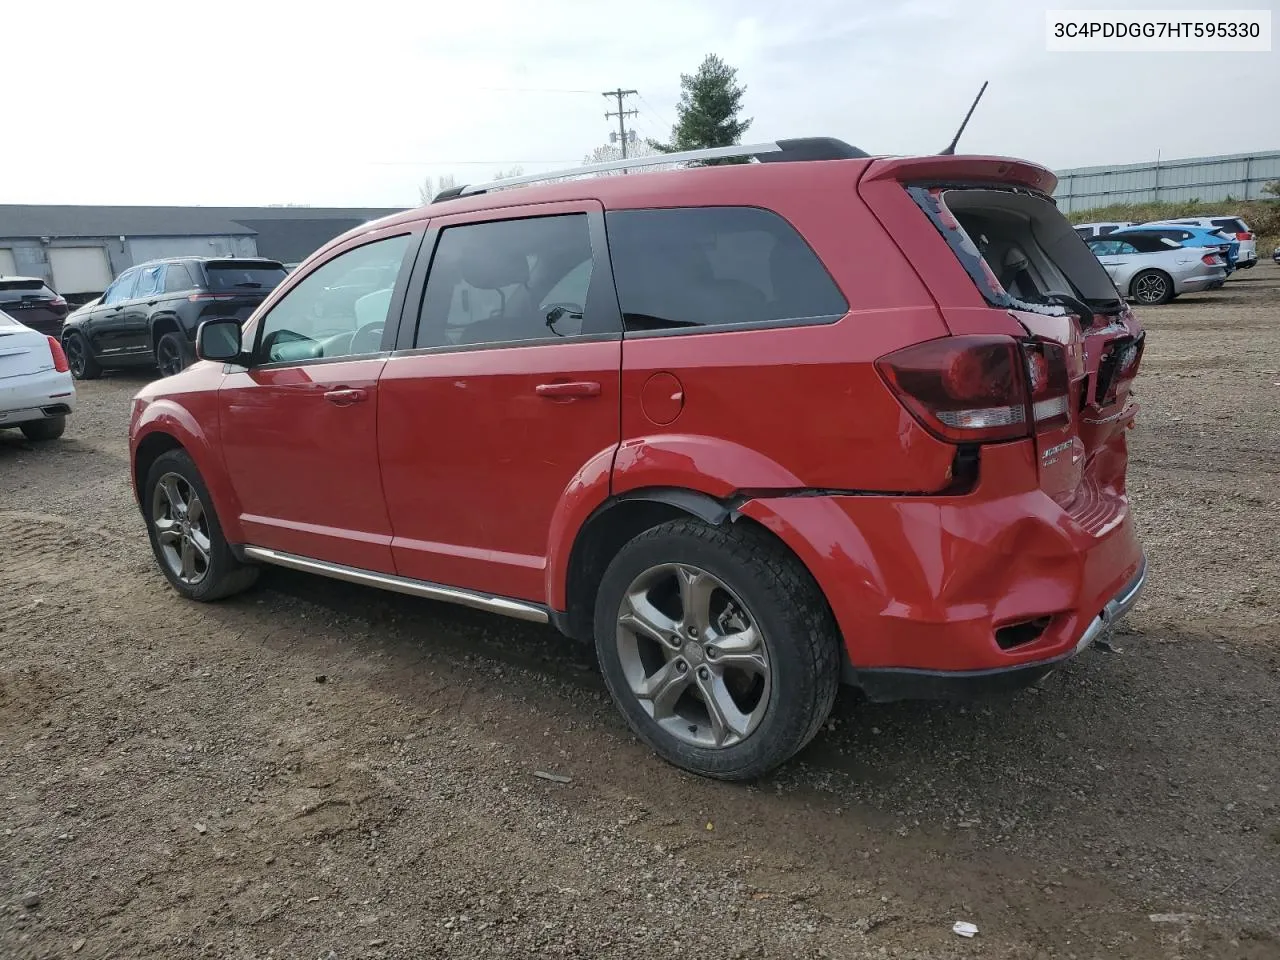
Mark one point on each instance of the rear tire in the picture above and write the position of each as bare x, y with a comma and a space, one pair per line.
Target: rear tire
174, 354
1152, 287
80, 358
765, 639
185, 534
48, 429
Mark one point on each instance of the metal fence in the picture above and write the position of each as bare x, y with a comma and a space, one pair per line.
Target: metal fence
1238, 176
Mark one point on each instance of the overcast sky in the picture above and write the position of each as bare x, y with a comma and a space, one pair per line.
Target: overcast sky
233, 103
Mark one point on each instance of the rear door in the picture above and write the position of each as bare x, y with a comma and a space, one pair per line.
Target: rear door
504, 394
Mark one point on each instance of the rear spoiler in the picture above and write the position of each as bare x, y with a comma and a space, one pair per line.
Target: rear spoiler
953, 169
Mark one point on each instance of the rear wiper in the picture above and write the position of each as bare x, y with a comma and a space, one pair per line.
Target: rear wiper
250, 283
1079, 306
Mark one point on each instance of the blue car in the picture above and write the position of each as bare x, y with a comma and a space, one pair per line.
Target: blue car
1189, 237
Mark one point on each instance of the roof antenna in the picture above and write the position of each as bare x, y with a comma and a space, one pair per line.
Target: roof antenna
951, 147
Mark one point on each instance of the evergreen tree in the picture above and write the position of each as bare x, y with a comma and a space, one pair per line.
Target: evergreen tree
709, 108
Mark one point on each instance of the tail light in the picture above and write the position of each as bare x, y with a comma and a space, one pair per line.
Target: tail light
978, 388
1211, 260
1244, 235
211, 296
1049, 384
59, 356
58, 302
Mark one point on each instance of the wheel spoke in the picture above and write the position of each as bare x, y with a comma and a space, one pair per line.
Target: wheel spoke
201, 544
642, 617
171, 493
195, 509
168, 530
188, 558
696, 588
663, 688
726, 719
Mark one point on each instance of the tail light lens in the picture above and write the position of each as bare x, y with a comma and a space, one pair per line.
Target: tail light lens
59, 356
1244, 236
962, 389
975, 389
211, 296
1210, 260
58, 302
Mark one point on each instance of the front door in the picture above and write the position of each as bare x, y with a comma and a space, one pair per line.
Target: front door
506, 393
299, 425
134, 331
105, 323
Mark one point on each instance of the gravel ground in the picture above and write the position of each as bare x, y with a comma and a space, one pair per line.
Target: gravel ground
317, 770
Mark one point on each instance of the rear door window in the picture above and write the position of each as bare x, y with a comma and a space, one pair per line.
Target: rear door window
698, 267
149, 281
514, 281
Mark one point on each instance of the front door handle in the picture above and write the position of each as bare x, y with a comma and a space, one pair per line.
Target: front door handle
345, 396
576, 388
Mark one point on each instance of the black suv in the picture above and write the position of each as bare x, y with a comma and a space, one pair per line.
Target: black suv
150, 313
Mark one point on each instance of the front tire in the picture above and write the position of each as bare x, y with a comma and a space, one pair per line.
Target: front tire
80, 358
48, 429
1152, 287
186, 537
717, 646
173, 354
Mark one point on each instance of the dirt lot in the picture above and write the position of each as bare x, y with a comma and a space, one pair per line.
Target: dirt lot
318, 770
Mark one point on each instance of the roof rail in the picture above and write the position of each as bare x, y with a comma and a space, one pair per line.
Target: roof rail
800, 149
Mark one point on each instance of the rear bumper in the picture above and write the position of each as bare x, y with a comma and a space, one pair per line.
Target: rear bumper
888, 684
37, 397
987, 585
1200, 281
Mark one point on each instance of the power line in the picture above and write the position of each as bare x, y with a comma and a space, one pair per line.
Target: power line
657, 116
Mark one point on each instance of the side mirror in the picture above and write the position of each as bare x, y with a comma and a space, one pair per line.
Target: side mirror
218, 340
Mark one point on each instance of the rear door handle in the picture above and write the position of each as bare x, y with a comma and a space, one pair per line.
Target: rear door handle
345, 396
576, 388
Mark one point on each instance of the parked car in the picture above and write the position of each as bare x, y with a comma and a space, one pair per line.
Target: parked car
1275, 254
30, 301
150, 313
1233, 228
1154, 270
748, 428
1090, 230
1193, 237
36, 390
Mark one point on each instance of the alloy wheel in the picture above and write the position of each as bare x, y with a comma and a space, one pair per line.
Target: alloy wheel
182, 528
168, 359
1152, 289
74, 350
694, 656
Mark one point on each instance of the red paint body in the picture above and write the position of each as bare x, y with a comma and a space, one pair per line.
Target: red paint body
479, 468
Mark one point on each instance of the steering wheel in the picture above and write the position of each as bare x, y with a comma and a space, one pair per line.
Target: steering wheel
368, 339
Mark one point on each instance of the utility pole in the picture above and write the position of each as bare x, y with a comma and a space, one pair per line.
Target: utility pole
621, 114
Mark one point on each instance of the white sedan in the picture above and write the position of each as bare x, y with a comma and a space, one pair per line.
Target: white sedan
36, 389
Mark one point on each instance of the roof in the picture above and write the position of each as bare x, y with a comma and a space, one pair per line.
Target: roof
31, 220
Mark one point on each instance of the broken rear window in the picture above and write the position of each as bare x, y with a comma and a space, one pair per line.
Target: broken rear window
1018, 247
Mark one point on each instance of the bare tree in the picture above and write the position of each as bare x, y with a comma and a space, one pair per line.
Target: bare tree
433, 187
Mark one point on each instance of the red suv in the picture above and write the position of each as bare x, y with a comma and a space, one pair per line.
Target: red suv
751, 428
